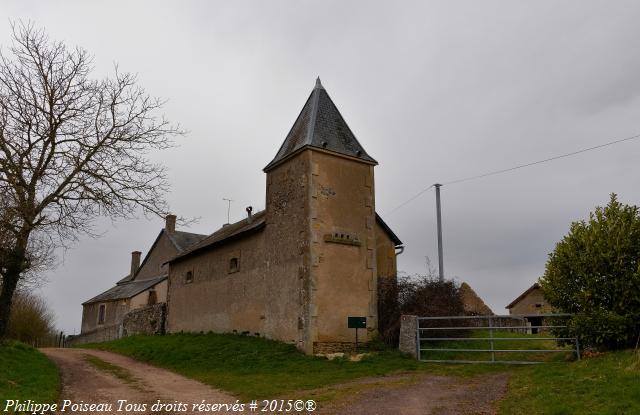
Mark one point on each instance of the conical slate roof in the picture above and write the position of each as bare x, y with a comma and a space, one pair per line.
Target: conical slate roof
320, 125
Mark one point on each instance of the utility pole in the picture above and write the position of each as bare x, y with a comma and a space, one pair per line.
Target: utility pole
228, 207
440, 260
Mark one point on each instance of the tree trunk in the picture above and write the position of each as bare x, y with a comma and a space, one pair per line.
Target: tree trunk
15, 266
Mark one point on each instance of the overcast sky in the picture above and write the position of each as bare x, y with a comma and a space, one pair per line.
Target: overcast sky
435, 91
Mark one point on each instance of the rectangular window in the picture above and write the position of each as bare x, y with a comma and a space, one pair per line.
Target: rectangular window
101, 312
234, 265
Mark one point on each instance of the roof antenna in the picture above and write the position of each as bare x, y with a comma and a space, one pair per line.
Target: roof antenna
228, 207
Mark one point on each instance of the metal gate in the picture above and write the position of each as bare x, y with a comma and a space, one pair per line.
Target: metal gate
488, 335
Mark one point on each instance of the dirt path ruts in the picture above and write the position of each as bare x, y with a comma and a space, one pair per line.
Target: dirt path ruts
428, 394
390, 395
82, 381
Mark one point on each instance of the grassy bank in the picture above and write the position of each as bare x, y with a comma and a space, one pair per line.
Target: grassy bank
25, 373
607, 384
257, 368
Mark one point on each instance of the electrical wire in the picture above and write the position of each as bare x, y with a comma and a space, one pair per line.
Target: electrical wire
520, 166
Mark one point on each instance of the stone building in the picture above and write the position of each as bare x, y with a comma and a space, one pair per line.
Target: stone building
531, 301
145, 284
295, 271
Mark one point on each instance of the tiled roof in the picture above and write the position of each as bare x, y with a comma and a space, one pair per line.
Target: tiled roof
524, 294
184, 240
226, 233
181, 240
320, 125
126, 290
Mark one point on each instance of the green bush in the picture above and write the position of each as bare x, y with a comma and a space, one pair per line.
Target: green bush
594, 273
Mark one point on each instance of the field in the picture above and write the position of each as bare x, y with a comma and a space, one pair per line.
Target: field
254, 367
25, 373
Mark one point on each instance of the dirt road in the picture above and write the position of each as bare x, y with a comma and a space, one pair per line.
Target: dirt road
94, 376
426, 394
102, 377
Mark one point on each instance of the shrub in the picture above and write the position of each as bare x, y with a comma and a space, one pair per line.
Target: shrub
594, 273
416, 295
31, 320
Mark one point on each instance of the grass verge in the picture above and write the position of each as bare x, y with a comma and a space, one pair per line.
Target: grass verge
607, 384
121, 373
255, 368
25, 373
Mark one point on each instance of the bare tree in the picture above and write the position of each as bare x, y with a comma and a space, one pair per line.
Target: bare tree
72, 148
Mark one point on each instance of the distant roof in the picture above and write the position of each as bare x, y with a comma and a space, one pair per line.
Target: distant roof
387, 229
226, 233
126, 290
473, 304
320, 125
181, 240
524, 294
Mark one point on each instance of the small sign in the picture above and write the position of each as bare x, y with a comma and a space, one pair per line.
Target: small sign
357, 322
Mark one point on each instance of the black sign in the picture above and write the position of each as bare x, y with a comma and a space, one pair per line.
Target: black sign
357, 322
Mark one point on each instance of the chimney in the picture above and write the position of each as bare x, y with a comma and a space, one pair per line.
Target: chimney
249, 215
135, 262
170, 223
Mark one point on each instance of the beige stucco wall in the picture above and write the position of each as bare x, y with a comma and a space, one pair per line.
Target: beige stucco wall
153, 265
265, 296
141, 299
344, 277
216, 299
527, 305
386, 263
114, 311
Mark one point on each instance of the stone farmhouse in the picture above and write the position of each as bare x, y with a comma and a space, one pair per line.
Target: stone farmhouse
144, 285
293, 272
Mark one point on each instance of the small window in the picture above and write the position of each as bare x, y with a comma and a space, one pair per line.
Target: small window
102, 309
234, 264
152, 299
538, 305
188, 278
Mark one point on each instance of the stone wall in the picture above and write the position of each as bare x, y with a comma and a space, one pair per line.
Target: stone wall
408, 335
102, 334
324, 348
147, 320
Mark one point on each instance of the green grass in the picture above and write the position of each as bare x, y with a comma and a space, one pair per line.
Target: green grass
501, 341
255, 368
607, 384
25, 373
116, 371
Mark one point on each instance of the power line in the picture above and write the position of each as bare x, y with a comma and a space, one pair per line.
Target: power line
521, 166
410, 200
